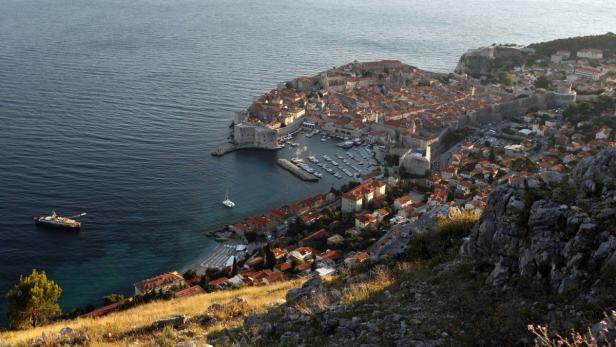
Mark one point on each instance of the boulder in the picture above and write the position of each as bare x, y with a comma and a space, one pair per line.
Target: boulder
176, 322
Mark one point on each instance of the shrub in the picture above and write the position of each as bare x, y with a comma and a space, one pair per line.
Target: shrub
447, 237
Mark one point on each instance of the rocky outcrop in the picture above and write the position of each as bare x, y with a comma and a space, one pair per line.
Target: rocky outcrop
488, 61
551, 231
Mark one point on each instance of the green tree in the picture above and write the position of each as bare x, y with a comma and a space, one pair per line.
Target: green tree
234, 269
506, 78
270, 258
33, 301
542, 82
492, 156
190, 274
113, 298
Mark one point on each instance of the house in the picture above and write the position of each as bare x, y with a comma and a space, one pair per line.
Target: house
106, 309
278, 253
324, 271
353, 231
162, 283
514, 151
588, 72
405, 212
559, 56
311, 217
402, 201
300, 254
351, 202
380, 214
364, 220
331, 254
190, 291
282, 267
357, 258
303, 267
274, 277
335, 240
361, 196
603, 134
449, 172
590, 53
218, 283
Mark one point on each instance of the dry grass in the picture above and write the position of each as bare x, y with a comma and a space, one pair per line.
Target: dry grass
123, 323
379, 278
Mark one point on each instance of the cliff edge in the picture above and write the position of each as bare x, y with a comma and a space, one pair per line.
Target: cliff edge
551, 232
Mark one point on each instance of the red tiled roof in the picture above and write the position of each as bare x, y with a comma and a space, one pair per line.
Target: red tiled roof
104, 310
194, 290
218, 281
361, 257
319, 234
303, 266
160, 280
275, 277
284, 266
333, 254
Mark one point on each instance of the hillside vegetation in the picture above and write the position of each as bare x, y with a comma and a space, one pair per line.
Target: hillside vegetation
606, 42
138, 325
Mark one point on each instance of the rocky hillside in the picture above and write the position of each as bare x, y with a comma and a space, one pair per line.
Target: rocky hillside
552, 232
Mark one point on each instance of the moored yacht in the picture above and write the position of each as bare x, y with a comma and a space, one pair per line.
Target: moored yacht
55, 221
227, 202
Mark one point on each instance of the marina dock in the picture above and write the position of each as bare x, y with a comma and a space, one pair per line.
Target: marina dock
294, 169
219, 258
229, 147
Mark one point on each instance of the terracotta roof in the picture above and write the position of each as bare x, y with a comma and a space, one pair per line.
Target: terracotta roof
303, 266
194, 290
160, 280
333, 254
218, 281
104, 310
275, 277
284, 266
319, 234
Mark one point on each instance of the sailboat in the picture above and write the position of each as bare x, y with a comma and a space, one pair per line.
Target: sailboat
228, 202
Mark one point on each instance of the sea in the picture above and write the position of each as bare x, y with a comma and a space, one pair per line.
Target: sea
111, 107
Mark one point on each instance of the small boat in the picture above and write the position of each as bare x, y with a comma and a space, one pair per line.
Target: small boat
228, 202
323, 139
55, 221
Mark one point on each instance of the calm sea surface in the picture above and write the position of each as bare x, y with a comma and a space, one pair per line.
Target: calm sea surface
111, 107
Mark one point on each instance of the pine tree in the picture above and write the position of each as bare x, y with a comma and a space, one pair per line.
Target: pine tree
33, 301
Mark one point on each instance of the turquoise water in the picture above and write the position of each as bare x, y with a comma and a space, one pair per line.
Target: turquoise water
112, 107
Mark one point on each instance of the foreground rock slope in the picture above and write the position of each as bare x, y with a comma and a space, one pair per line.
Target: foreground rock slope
551, 232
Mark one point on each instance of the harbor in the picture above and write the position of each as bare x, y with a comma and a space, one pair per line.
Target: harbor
329, 159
